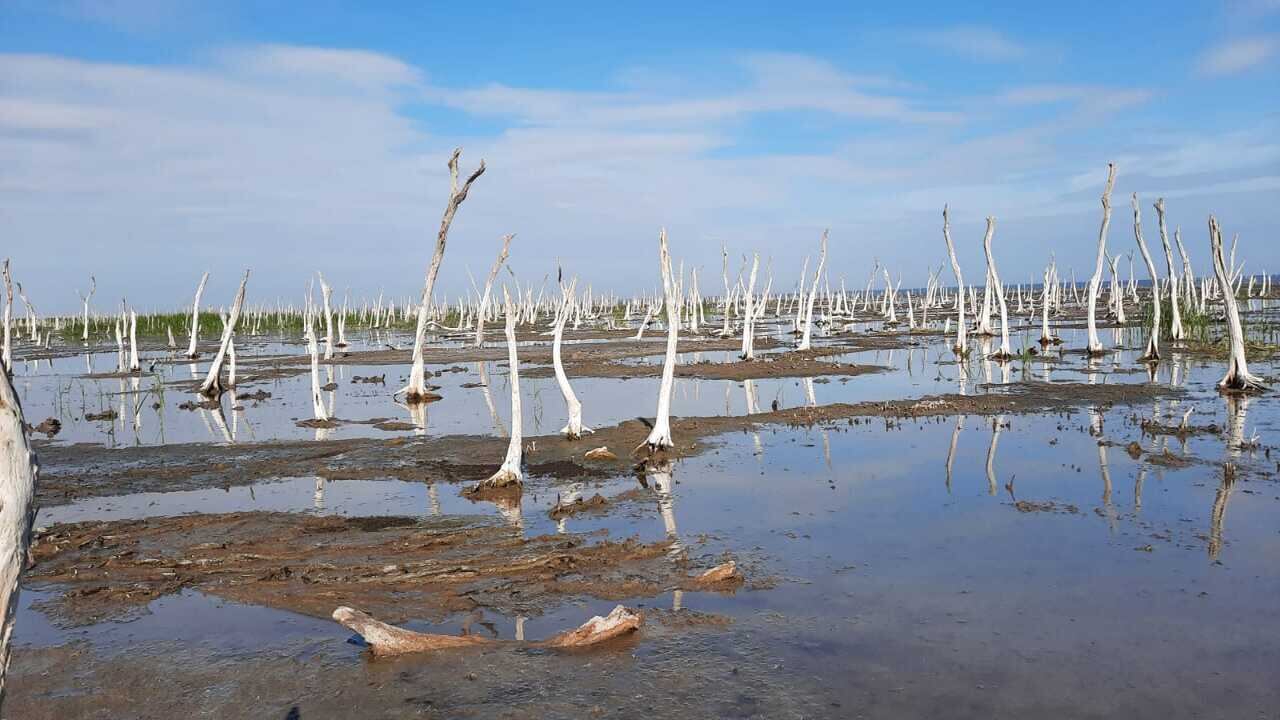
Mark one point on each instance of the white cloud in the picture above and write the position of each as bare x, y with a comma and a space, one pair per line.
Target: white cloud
974, 42
293, 159
1238, 55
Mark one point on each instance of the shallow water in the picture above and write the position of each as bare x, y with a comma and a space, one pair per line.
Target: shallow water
905, 579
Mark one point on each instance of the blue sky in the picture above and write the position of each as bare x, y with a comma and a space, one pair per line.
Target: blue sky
146, 141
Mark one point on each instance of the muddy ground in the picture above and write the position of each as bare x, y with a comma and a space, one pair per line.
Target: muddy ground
78, 471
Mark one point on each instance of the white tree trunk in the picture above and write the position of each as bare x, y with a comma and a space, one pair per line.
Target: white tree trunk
326, 296
212, 387
660, 436
962, 346
93, 287
134, 364
19, 473
1175, 321
1046, 337
195, 318
813, 294
488, 288
317, 400
416, 390
1153, 341
1095, 282
1005, 353
510, 473
748, 315
1238, 376
574, 428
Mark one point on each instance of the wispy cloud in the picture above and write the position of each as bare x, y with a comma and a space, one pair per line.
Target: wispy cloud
1238, 55
273, 154
973, 42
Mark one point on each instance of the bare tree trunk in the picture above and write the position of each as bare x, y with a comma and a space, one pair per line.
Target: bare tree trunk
1238, 377
93, 287
1095, 282
1153, 341
195, 318
134, 364
1004, 353
574, 428
326, 296
1047, 290
1117, 290
748, 315
317, 401
1175, 326
660, 436
510, 473
19, 473
416, 390
488, 288
212, 387
813, 294
962, 346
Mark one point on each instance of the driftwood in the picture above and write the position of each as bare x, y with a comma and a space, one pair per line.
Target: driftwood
387, 640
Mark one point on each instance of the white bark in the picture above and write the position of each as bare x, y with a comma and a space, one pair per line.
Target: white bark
660, 436
1153, 341
510, 473
574, 428
813, 294
994, 276
488, 288
1095, 282
93, 287
134, 364
326, 296
212, 387
1238, 376
749, 315
195, 318
19, 472
317, 401
416, 390
1046, 337
1175, 322
962, 346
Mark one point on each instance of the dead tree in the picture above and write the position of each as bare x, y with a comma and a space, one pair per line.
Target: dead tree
326, 296
1095, 282
660, 437
317, 402
813, 294
574, 428
510, 473
195, 318
961, 347
93, 287
212, 387
19, 473
416, 390
488, 288
1238, 377
748, 315
1175, 321
1152, 353
994, 276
